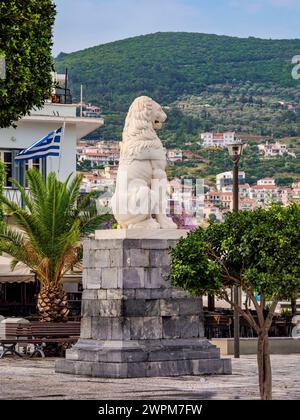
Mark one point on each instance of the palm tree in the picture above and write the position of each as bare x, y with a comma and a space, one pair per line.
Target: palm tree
48, 235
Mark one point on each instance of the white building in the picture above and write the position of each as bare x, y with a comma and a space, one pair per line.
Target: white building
91, 111
266, 181
12, 140
270, 150
217, 139
34, 127
244, 189
226, 178
175, 155
265, 194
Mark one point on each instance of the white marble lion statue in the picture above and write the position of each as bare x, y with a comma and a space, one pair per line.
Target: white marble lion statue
140, 199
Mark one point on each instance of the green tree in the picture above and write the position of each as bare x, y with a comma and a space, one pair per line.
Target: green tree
25, 43
257, 251
48, 240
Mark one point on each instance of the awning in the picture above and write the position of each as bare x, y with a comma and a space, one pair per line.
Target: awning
72, 278
21, 273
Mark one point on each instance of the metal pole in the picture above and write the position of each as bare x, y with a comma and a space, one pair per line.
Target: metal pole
81, 98
66, 85
236, 292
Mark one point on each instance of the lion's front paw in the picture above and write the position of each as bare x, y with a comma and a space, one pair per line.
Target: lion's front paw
165, 222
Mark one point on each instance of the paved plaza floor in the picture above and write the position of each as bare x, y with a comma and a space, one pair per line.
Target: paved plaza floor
36, 379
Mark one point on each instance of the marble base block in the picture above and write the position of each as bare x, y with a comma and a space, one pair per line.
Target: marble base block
134, 324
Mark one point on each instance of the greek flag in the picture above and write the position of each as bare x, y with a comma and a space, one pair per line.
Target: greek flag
47, 146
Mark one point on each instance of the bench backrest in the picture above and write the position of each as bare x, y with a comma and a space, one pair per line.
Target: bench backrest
15, 330
41, 329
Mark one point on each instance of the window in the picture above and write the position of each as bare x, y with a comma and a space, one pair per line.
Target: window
15, 169
32, 164
6, 156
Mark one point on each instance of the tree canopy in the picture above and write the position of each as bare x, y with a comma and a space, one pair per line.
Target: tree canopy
259, 252
49, 235
25, 43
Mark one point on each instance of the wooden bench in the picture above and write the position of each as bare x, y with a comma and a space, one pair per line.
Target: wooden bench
38, 334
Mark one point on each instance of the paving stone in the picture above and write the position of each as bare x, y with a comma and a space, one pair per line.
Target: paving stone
33, 379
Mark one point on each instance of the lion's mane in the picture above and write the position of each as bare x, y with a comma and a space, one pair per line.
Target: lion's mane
139, 133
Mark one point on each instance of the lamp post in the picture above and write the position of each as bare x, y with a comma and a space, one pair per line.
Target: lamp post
235, 151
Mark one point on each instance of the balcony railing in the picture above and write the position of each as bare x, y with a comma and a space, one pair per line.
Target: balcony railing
14, 195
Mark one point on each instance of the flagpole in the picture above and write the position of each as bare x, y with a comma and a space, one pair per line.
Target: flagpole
60, 151
81, 98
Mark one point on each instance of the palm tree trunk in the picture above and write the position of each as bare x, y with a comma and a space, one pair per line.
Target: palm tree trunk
264, 366
52, 304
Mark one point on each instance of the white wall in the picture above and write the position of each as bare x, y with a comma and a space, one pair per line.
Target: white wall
28, 132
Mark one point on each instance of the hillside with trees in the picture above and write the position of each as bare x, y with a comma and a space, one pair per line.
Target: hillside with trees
206, 83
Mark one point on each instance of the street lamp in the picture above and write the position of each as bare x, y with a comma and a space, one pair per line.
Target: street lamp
235, 151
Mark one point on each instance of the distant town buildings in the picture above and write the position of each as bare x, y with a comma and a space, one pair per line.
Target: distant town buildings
217, 139
270, 150
101, 153
264, 193
184, 195
226, 178
89, 110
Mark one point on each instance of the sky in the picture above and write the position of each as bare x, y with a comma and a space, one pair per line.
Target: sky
85, 23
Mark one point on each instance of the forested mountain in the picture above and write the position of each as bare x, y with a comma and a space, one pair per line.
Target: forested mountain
179, 66
167, 65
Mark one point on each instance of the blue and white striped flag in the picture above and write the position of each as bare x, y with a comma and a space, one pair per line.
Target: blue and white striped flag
47, 146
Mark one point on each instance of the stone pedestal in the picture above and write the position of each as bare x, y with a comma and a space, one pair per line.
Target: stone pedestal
134, 323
